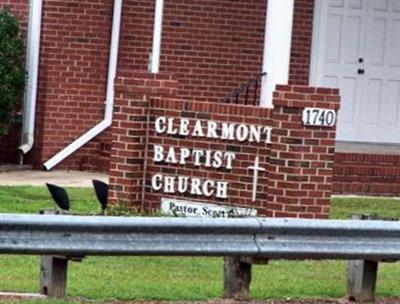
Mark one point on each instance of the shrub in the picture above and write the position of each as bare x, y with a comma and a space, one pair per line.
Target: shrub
12, 74
120, 209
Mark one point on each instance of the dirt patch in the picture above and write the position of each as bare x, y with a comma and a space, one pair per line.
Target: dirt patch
287, 301
396, 300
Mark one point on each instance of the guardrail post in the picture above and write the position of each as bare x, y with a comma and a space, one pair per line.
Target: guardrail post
361, 280
361, 276
53, 269
53, 276
237, 277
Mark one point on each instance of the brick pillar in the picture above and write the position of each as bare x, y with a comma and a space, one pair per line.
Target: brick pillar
133, 94
301, 159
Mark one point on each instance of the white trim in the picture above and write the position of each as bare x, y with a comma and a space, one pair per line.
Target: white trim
317, 46
32, 64
277, 45
157, 34
315, 42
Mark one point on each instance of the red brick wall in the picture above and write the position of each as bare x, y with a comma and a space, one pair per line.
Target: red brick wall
366, 174
136, 34
239, 177
9, 144
301, 156
72, 80
298, 179
210, 46
129, 132
300, 57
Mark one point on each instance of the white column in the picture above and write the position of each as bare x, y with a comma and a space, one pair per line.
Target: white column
277, 42
32, 66
155, 54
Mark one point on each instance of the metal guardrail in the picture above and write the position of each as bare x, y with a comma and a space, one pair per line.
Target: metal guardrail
254, 237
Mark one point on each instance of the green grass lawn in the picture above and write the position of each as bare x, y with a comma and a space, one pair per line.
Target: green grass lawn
28, 199
173, 278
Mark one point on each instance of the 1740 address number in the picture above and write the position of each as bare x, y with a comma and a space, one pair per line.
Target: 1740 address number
319, 117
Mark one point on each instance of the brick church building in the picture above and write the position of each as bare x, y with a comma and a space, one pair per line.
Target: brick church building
211, 60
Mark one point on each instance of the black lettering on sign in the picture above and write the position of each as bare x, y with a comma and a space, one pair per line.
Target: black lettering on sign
319, 117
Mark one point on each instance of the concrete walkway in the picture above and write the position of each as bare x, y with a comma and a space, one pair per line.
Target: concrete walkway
61, 178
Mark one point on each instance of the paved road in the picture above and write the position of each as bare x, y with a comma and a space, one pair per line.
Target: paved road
61, 178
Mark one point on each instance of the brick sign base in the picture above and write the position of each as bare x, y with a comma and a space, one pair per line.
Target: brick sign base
155, 134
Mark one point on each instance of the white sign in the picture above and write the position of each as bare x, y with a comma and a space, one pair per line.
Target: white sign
212, 129
319, 117
174, 207
189, 185
203, 158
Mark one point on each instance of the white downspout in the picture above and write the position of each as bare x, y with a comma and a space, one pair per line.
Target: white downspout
32, 66
109, 103
277, 44
156, 50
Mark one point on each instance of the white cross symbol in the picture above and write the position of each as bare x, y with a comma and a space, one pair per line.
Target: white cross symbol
255, 168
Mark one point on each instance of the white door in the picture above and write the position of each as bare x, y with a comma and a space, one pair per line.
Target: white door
356, 48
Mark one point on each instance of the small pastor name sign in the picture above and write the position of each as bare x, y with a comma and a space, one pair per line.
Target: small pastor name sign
174, 207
